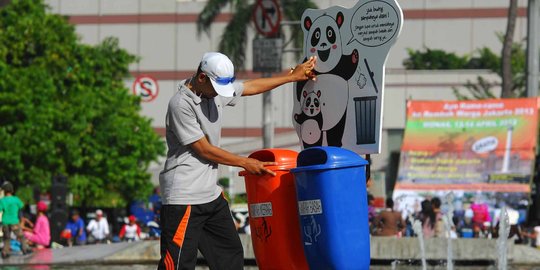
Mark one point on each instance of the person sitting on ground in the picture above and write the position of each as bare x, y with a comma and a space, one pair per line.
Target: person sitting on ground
465, 228
39, 234
130, 232
516, 232
481, 216
154, 231
389, 222
10, 206
75, 233
98, 228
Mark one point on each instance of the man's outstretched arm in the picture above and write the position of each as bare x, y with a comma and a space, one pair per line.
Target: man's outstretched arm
301, 72
204, 149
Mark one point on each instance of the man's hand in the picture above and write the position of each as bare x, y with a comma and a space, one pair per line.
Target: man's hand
304, 71
209, 152
254, 166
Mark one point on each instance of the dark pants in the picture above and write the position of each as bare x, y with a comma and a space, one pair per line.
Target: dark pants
16, 229
207, 227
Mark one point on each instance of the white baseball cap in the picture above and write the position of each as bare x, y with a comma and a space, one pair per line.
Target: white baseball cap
219, 68
99, 212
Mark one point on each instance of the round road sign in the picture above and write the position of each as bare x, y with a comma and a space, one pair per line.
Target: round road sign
146, 87
267, 17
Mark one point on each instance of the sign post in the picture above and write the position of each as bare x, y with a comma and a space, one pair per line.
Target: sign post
267, 54
267, 57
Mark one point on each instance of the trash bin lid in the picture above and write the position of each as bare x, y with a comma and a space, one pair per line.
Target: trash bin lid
285, 159
327, 157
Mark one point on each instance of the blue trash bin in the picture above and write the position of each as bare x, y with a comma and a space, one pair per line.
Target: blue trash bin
332, 206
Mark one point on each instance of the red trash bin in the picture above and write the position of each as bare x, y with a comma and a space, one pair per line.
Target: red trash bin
273, 213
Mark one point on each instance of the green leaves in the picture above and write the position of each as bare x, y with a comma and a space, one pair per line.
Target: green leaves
484, 58
209, 14
234, 39
434, 59
65, 110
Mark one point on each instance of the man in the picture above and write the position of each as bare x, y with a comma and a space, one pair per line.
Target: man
10, 206
75, 230
389, 222
98, 228
194, 214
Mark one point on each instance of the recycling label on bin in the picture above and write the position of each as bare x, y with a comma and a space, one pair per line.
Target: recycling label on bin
260, 210
311, 207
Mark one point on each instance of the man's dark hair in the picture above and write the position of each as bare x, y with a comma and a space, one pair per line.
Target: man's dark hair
389, 203
199, 69
436, 203
7, 187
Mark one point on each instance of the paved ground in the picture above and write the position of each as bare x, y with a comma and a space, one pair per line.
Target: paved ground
86, 254
147, 252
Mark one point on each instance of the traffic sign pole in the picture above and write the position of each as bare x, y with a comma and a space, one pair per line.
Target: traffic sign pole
267, 57
268, 117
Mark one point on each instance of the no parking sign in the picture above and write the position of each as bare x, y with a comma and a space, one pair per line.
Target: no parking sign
146, 87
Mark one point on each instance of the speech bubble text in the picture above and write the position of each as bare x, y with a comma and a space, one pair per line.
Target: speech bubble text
374, 24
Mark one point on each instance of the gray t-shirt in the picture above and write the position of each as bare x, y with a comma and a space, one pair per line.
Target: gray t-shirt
186, 177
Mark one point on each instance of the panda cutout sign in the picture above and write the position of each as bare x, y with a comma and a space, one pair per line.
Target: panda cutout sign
343, 107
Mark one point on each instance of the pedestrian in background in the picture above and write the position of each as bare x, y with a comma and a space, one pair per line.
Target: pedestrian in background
131, 231
98, 228
438, 227
75, 232
10, 206
372, 213
428, 218
389, 222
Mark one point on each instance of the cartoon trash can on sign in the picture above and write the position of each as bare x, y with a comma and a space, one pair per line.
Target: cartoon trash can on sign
332, 205
273, 213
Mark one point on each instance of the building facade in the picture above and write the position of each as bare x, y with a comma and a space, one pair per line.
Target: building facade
163, 34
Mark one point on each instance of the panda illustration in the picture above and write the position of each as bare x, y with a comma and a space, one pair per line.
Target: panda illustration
326, 111
324, 41
310, 119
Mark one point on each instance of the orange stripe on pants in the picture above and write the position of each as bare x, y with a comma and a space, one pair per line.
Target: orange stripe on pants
169, 264
182, 227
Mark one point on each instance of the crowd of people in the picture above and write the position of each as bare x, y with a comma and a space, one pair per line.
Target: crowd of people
22, 232
98, 230
474, 222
